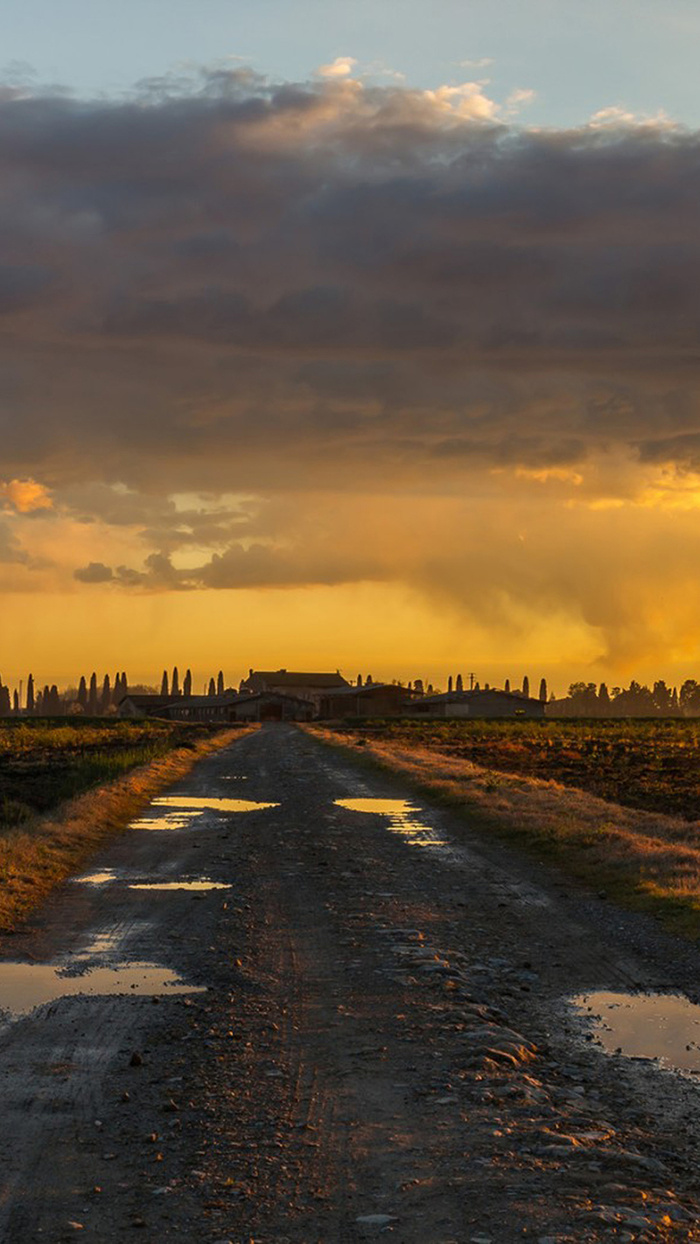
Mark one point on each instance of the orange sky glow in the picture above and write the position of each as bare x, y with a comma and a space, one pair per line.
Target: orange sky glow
341, 375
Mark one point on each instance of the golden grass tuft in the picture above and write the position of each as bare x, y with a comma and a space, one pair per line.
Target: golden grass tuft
644, 860
41, 853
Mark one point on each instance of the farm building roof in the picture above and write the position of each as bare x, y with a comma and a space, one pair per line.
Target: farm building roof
258, 679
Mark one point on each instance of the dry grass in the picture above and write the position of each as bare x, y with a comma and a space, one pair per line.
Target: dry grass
42, 852
644, 860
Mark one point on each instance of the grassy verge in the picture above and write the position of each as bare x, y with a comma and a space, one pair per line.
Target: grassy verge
644, 861
39, 852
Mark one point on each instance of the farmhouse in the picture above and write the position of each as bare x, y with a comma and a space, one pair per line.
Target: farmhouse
140, 706
309, 687
371, 700
490, 703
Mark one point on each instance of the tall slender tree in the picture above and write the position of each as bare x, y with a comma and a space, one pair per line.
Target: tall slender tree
212, 687
220, 683
543, 690
459, 685
449, 684
15, 702
106, 696
187, 684
82, 693
164, 683
507, 686
30, 694
92, 695
526, 685
175, 682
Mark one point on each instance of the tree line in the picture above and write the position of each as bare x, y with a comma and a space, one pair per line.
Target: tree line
93, 697
588, 699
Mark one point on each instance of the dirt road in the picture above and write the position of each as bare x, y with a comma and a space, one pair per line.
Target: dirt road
363, 1031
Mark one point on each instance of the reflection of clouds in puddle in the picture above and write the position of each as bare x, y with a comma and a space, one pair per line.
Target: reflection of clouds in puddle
211, 803
202, 884
404, 819
25, 986
665, 1027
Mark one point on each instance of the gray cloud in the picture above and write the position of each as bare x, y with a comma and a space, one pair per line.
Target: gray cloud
190, 273
94, 572
242, 288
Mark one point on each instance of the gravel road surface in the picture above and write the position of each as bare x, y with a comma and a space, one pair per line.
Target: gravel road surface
296, 1003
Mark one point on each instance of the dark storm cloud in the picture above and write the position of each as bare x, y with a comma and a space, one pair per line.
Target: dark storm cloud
191, 278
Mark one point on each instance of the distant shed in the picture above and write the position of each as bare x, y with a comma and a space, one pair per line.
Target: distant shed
477, 704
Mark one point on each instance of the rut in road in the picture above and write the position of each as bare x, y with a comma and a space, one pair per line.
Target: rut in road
383, 1046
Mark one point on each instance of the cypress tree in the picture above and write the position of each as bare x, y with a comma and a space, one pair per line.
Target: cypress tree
164, 683
212, 687
507, 686
15, 703
92, 696
449, 684
187, 684
220, 683
30, 694
359, 680
106, 697
526, 685
82, 693
459, 685
175, 682
543, 691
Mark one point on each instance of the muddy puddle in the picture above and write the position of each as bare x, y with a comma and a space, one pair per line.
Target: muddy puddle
404, 819
198, 887
167, 820
664, 1028
26, 986
107, 877
194, 805
112, 877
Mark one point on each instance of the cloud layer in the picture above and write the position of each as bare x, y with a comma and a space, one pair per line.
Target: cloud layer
253, 295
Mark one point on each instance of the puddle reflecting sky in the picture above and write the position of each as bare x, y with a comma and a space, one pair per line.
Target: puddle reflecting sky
105, 878
25, 986
211, 803
404, 819
661, 1026
202, 884
169, 820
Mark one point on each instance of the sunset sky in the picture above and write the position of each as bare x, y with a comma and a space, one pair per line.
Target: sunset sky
358, 336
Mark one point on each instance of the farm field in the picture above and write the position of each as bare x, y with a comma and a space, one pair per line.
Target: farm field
653, 765
43, 763
66, 788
